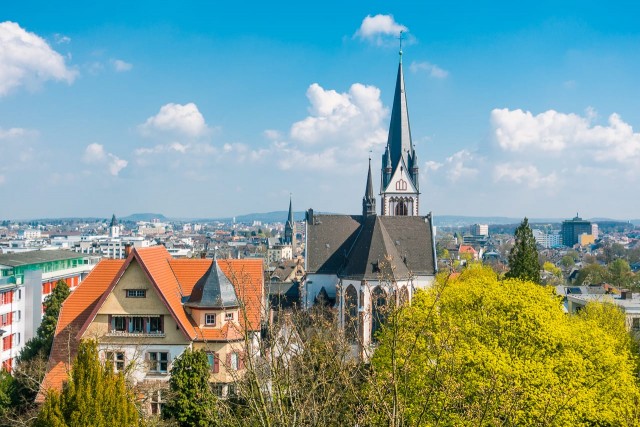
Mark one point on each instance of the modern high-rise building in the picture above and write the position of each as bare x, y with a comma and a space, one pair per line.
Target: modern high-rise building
26, 279
573, 228
480, 229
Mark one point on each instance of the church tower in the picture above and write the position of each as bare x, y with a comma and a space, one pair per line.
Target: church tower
114, 228
290, 229
399, 189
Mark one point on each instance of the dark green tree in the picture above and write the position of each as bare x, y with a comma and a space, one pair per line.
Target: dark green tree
93, 396
191, 401
523, 258
41, 343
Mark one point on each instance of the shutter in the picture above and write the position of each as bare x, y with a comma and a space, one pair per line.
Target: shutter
112, 325
241, 361
9, 318
216, 363
228, 361
128, 324
146, 324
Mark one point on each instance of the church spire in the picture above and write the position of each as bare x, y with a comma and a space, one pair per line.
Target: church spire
399, 141
369, 201
400, 171
290, 228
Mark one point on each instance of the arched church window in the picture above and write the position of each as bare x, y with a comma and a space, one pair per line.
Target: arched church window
401, 208
401, 185
378, 310
351, 314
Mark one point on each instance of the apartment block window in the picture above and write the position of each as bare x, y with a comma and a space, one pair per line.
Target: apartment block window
7, 343
210, 319
158, 361
228, 316
136, 293
117, 359
6, 319
6, 297
119, 324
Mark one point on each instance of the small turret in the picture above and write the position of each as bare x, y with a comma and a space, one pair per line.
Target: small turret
415, 169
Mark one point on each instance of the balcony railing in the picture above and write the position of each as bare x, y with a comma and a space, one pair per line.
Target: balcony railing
114, 333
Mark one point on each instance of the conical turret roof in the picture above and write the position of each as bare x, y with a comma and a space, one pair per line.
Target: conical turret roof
213, 290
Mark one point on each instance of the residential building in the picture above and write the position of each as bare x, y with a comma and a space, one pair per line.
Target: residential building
578, 297
26, 279
547, 240
145, 310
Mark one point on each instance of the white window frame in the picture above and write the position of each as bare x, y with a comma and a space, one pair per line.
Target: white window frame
207, 321
155, 362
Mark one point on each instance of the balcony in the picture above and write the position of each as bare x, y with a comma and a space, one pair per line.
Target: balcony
114, 333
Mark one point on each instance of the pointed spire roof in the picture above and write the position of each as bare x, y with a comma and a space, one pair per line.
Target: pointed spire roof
114, 221
369, 201
399, 141
213, 290
290, 217
368, 194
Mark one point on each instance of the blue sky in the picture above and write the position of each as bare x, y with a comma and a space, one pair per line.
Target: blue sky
206, 109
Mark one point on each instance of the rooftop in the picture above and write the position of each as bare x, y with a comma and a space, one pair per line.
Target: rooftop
37, 257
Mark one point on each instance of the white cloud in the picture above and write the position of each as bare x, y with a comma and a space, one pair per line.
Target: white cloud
27, 60
379, 29
61, 39
431, 69
432, 165
523, 174
457, 167
272, 134
353, 120
180, 119
121, 66
551, 131
96, 154
13, 133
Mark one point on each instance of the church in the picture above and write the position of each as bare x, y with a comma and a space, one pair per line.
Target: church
365, 263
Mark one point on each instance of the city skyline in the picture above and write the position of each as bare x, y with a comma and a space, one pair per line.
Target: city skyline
199, 110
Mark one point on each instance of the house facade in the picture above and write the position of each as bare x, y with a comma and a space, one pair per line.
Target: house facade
145, 310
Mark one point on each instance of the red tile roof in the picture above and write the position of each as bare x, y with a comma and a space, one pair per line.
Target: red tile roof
247, 277
173, 279
74, 313
467, 249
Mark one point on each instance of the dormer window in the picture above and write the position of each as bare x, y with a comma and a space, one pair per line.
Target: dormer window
210, 319
228, 316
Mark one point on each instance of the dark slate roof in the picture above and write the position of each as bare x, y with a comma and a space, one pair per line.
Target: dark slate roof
284, 295
374, 255
329, 238
399, 141
336, 244
36, 257
213, 290
283, 270
414, 240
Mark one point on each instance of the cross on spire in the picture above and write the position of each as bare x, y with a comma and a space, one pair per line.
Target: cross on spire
400, 37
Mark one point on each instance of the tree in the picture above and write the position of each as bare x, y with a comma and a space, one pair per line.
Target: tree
475, 350
592, 274
191, 401
41, 343
94, 395
523, 258
620, 273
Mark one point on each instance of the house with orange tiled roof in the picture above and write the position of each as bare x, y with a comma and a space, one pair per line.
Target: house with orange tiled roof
144, 311
468, 249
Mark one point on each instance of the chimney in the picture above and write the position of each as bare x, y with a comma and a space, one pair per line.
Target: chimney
203, 254
127, 250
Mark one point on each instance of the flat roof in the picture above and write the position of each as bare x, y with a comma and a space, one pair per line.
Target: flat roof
37, 257
630, 305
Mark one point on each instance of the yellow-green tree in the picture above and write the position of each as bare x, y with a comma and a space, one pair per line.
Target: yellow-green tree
93, 396
475, 350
